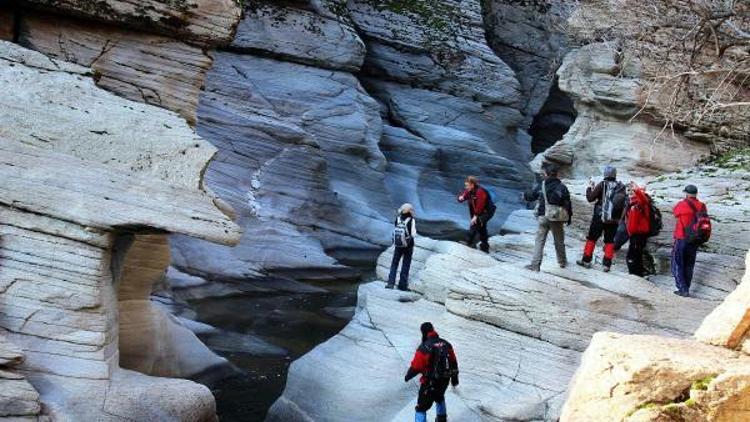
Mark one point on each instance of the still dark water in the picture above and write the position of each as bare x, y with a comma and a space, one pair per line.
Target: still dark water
294, 322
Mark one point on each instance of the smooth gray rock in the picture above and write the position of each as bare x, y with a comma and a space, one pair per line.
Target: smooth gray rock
300, 36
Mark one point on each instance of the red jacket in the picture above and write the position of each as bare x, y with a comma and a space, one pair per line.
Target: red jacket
477, 197
638, 215
684, 215
421, 364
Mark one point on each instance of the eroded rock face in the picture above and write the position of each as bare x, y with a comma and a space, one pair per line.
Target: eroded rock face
76, 169
606, 97
204, 22
142, 67
152, 341
18, 399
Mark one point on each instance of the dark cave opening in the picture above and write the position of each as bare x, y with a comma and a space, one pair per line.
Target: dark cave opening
553, 120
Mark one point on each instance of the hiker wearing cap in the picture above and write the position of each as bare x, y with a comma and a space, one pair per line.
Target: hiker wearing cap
553, 210
436, 361
404, 231
692, 229
608, 197
481, 210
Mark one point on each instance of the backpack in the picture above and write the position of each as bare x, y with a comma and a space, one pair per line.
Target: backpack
553, 212
613, 202
655, 222
440, 358
699, 230
401, 233
491, 207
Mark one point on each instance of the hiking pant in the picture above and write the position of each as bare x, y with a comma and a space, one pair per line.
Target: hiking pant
406, 254
683, 263
429, 394
480, 229
558, 234
596, 229
635, 254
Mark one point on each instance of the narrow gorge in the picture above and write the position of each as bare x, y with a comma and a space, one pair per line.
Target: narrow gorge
197, 200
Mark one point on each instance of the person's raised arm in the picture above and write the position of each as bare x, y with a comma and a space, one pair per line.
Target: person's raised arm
594, 192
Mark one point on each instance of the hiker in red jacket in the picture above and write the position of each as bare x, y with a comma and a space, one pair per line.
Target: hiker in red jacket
436, 361
685, 249
481, 210
638, 224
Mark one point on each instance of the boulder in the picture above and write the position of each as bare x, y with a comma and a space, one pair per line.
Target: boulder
202, 22
300, 36
729, 323
647, 378
152, 69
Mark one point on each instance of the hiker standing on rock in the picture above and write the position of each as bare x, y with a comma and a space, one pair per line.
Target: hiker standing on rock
436, 361
404, 231
553, 210
692, 229
481, 209
637, 217
609, 197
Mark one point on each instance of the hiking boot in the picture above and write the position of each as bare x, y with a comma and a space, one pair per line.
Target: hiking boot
531, 267
404, 289
584, 264
441, 418
563, 264
389, 286
606, 268
683, 294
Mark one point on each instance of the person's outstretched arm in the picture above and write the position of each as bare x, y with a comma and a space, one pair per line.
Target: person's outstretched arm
593, 194
463, 196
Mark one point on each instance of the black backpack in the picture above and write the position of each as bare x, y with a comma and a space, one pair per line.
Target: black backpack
401, 233
655, 222
441, 363
613, 201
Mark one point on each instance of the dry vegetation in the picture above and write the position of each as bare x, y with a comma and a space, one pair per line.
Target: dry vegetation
694, 56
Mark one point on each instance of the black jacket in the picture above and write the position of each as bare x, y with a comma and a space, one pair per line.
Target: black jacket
557, 194
596, 195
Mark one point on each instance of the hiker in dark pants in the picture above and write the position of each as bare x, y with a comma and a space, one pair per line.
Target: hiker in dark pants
436, 361
405, 229
554, 209
481, 210
608, 210
637, 219
692, 228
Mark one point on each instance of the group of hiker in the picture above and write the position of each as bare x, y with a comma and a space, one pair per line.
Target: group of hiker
622, 213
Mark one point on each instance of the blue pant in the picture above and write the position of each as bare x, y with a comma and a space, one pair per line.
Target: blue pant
398, 254
683, 263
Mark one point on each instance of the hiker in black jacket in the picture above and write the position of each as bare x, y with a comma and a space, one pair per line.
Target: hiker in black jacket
608, 197
553, 210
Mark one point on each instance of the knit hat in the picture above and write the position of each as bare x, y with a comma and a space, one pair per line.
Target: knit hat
610, 171
426, 328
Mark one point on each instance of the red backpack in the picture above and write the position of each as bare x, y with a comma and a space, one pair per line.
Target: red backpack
699, 230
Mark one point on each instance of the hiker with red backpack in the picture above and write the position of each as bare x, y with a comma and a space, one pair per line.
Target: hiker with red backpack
481, 209
436, 361
609, 197
692, 229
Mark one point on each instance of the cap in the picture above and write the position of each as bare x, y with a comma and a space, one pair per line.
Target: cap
609, 171
691, 189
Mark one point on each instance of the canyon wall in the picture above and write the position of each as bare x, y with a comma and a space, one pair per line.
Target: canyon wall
520, 335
